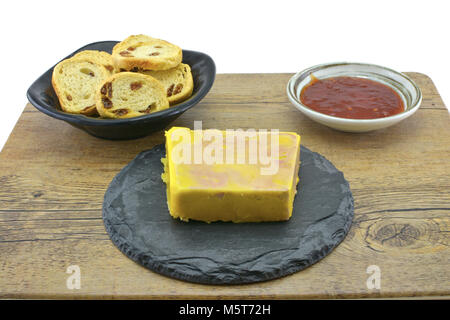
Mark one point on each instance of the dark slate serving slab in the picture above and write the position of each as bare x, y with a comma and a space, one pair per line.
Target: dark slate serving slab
138, 222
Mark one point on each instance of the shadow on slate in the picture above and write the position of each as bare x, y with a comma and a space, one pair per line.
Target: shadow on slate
138, 222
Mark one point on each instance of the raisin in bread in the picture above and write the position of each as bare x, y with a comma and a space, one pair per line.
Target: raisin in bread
130, 94
75, 81
177, 82
100, 57
141, 52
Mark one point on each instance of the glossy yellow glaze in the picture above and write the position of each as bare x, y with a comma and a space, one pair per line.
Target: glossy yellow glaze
210, 180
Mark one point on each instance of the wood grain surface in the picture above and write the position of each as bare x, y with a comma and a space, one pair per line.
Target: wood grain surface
53, 178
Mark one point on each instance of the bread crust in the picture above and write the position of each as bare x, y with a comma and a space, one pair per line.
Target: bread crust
159, 54
100, 57
89, 110
170, 80
110, 106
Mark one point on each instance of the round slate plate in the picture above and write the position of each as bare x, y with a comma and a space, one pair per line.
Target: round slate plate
138, 222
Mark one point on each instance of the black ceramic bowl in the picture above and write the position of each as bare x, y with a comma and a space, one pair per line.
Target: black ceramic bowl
42, 96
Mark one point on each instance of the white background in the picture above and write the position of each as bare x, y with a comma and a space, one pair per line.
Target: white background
241, 36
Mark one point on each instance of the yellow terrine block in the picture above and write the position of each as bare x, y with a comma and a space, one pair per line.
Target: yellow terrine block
214, 175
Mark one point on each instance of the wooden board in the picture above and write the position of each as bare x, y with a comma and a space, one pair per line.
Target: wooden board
53, 178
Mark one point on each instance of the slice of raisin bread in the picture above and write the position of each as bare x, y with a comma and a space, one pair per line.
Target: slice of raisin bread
177, 82
75, 81
141, 52
130, 94
100, 57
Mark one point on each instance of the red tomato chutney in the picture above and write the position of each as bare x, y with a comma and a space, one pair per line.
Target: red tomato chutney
351, 97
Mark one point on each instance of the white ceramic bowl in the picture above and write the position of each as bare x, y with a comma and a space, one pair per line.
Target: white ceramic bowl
403, 85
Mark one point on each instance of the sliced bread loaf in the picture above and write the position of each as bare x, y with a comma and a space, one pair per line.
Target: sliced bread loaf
130, 94
177, 82
100, 57
141, 52
75, 81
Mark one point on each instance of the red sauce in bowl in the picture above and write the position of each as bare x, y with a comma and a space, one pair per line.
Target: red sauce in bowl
351, 97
